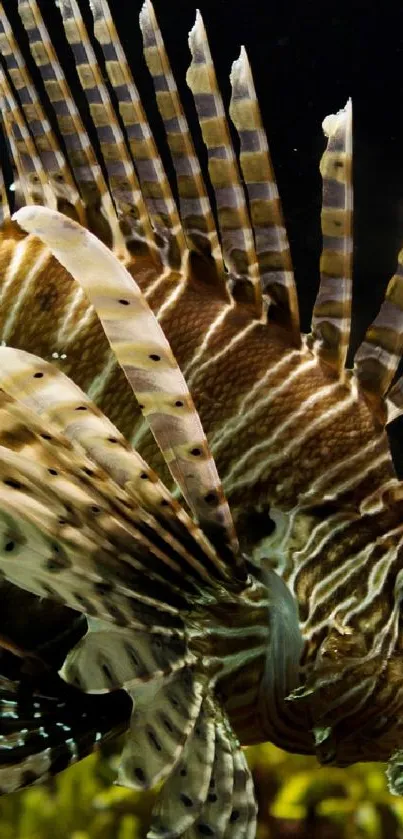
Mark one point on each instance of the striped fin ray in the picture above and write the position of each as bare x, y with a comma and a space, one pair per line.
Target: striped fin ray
377, 359
196, 214
185, 792
53, 160
236, 233
101, 214
131, 210
32, 177
147, 360
44, 730
272, 248
155, 185
331, 319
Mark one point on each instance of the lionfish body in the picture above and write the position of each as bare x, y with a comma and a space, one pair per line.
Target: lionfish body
266, 606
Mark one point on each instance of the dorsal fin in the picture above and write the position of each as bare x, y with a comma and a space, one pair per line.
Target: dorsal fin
32, 176
233, 217
196, 214
272, 248
86, 169
49, 150
378, 357
124, 186
155, 185
331, 319
147, 360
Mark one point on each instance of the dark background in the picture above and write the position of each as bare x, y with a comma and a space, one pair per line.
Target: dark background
307, 59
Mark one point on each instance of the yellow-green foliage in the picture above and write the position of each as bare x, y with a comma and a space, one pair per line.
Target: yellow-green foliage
296, 797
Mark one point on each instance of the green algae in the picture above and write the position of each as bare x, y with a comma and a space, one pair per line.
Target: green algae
297, 798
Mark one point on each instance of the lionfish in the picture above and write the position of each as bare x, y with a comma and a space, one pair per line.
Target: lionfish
149, 345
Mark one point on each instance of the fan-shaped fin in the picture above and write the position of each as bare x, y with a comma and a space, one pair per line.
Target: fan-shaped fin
110, 657
87, 172
43, 731
69, 532
49, 550
41, 387
332, 310
164, 715
196, 214
52, 157
185, 791
377, 359
123, 183
147, 360
272, 248
236, 233
33, 180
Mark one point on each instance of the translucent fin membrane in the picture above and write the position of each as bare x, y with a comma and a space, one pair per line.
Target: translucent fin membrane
87, 171
378, 357
272, 248
151, 173
123, 183
236, 233
147, 360
50, 153
197, 217
331, 321
32, 177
